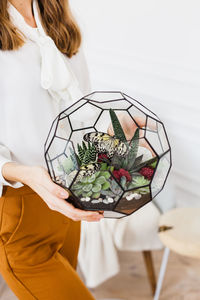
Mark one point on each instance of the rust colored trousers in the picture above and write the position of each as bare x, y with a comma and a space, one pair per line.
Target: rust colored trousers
38, 249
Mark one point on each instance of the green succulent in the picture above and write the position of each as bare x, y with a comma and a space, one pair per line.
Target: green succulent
92, 186
118, 130
153, 164
114, 191
130, 160
106, 167
69, 164
139, 181
86, 154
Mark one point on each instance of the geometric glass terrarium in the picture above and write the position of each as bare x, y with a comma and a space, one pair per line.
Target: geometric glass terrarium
110, 152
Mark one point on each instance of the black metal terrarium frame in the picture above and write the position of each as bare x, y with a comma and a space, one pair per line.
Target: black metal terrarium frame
60, 147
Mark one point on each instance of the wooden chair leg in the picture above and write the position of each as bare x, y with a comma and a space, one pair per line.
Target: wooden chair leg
150, 269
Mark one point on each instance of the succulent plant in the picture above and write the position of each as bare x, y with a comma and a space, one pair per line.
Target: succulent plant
86, 154
151, 163
130, 159
139, 181
118, 130
69, 164
114, 191
92, 186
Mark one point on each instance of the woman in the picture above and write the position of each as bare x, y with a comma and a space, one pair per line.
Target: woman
42, 70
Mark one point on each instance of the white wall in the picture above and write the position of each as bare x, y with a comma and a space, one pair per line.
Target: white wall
150, 49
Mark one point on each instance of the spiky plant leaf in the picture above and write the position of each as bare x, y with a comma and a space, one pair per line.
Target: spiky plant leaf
86, 159
132, 154
118, 130
81, 152
138, 160
78, 159
73, 158
84, 146
144, 164
93, 153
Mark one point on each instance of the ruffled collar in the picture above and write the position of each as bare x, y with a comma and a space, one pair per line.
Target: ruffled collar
56, 74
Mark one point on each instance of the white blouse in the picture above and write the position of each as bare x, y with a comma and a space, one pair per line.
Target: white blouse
36, 83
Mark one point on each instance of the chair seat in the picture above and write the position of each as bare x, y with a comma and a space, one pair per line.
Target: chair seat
183, 234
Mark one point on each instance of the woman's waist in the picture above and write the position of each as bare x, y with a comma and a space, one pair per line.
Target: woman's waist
11, 191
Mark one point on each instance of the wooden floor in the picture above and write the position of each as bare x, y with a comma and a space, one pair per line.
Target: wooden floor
182, 281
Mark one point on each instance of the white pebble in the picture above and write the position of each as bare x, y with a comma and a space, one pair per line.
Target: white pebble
100, 199
137, 196
87, 199
105, 201
110, 200
130, 197
95, 201
82, 199
133, 196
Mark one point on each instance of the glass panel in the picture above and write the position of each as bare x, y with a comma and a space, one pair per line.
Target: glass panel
161, 174
74, 106
163, 137
97, 191
116, 104
57, 147
144, 109
154, 140
113, 214
145, 150
77, 136
64, 128
133, 200
152, 125
85, 116
103, 124
65, 166
50, 168
51, 133
105, 96
138, 116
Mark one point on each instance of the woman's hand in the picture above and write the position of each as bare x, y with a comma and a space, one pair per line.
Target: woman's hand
38, 179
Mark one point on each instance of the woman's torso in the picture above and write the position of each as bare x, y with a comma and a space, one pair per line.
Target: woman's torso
26, 109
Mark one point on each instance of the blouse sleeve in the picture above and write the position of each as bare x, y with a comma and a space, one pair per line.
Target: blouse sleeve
5, 157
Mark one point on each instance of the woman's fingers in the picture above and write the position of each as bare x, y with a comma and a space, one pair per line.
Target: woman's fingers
56, 201
69, 210
54, 188
77, 213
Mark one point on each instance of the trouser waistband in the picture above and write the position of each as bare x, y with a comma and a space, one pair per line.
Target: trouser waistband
10, 191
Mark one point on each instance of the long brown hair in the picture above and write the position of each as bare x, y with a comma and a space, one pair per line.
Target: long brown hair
57, 21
